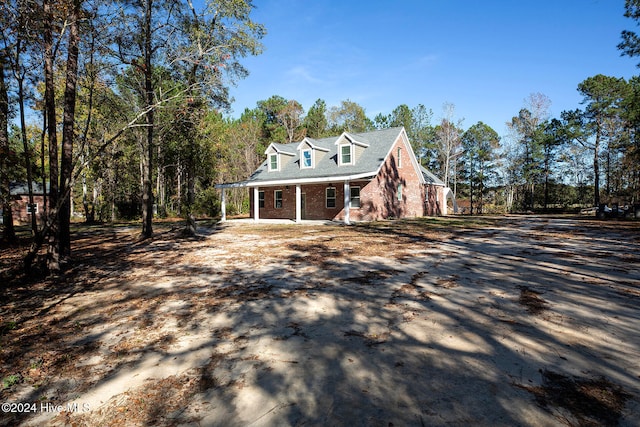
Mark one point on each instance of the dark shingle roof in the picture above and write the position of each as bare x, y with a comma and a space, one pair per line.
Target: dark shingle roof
379, 143
21, 188
374, 148
429, 177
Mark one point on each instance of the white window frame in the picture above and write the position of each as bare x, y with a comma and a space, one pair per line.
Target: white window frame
261, 199
275, 199
302, 159
341, 160
399, 192
327, 198
35, 205
352, 198
271, 156
399, 157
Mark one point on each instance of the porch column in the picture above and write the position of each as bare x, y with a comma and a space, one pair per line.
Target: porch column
223, 206
347, 202
298, 203
256, 204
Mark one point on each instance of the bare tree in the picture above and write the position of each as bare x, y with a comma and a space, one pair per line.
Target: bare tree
290, 116
448, 143
527, 150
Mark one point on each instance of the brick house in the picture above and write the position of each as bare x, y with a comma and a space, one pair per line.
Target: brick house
350, 177
20, 210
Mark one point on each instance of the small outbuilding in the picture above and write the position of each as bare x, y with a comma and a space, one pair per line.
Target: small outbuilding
20, 208
350, 177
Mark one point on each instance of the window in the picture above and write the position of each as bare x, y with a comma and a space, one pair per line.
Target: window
277, 199
354, 198
32, 208
306, 159
261, 199
331, 197
400, 192
345, 154
273, 162
399, 157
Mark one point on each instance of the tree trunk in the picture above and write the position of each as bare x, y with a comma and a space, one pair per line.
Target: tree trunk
23, 132
190, 224
547, 172
481, 189
53, 252
89, 214
596, 168
147, 156
68, 121
43, 136
9, 233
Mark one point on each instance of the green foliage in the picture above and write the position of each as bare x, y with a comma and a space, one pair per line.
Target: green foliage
11, 380
480, 143
348, 117
602, 121
402, 116
207, 203
315, 121
630, 44
271, 108
8, 326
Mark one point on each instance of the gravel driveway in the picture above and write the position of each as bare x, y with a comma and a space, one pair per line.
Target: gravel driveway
496, 321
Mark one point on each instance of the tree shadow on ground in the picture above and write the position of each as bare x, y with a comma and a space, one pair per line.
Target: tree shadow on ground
401, 323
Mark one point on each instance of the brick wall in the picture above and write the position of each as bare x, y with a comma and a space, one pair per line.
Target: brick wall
19, 209
379, 197
434, 198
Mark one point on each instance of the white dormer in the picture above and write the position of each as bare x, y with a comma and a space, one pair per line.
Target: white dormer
277, 156
349, 149
310, 153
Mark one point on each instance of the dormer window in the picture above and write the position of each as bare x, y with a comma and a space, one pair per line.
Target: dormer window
273, 162
311, 153
349, 149
346, 154
307, 159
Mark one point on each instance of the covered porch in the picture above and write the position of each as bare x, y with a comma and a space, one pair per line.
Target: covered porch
326, 200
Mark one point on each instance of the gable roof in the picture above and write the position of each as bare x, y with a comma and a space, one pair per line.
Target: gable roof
281, 148
311, 143
430, 178
353, 139
376, 145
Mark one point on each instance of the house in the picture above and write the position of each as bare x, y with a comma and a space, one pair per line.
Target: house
20, 210
350, 177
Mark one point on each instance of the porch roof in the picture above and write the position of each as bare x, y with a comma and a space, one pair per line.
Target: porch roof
296, 181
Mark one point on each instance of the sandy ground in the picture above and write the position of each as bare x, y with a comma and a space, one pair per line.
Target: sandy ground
495, 321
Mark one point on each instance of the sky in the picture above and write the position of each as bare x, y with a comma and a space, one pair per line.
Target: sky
483, 56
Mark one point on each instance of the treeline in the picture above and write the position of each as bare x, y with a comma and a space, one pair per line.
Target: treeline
117, 94
120, 107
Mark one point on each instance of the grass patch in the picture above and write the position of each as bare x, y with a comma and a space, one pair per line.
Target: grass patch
11, 380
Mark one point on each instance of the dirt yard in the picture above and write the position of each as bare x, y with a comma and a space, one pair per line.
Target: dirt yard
497, 321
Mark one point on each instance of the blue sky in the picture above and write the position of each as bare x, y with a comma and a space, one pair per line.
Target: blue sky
484, 56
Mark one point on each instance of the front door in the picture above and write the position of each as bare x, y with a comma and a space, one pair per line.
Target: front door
303, 206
